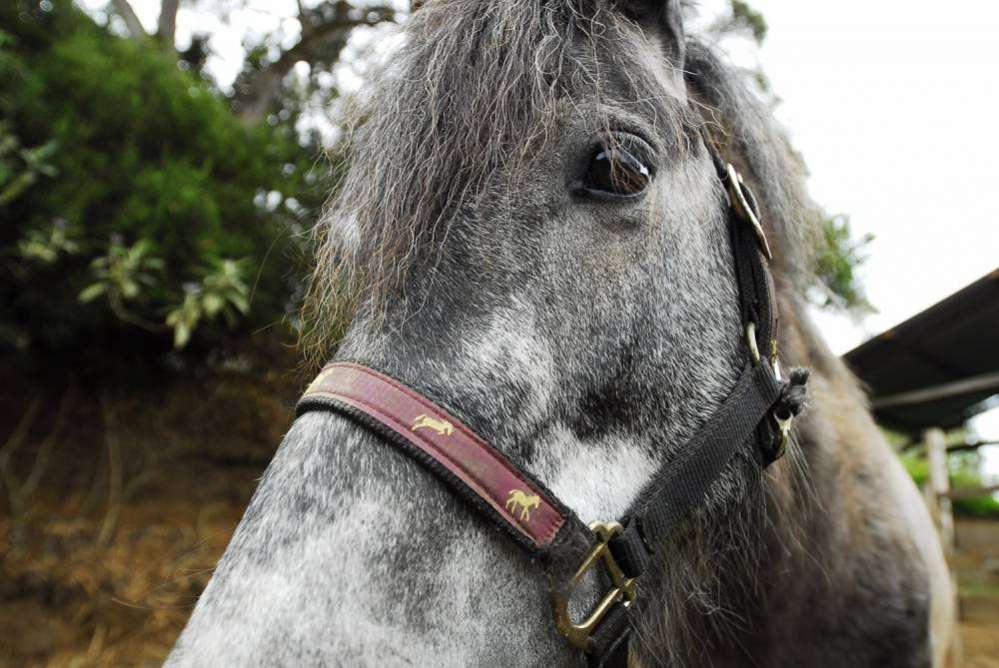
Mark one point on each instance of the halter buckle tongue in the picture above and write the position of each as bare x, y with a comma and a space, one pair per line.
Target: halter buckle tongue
623, 590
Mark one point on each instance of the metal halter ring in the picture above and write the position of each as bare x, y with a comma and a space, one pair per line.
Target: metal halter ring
745, 205
623, 591
781, 422
754, 349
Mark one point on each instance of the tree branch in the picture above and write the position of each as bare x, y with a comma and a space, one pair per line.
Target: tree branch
167, 27
324, 33
132, 22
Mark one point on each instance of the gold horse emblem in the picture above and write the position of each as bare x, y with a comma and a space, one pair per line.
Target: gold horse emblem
442, 427
314, 385
518, 499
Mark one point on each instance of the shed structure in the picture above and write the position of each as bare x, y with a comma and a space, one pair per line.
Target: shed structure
938, 368
932, 373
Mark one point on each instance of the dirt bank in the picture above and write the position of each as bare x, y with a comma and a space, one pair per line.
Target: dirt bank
119, 500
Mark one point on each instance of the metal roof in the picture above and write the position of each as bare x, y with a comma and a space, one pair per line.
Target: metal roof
939, 367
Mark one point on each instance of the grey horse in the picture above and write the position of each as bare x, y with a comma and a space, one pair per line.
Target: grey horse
532, 233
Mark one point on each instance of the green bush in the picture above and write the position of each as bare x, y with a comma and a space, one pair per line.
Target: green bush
144, 163
964, 473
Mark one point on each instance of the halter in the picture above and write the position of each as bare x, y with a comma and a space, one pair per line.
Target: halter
759, 410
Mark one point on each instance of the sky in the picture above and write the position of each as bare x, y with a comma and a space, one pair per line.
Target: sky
893, 105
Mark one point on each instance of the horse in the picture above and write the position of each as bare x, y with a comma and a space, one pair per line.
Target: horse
532, 233
518, 499
442, 427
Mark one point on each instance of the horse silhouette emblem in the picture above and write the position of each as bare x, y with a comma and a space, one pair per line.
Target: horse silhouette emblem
442, 427
314, 385
518, 499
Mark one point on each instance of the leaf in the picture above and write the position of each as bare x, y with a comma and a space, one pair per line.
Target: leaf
240, 302
92, 292
146, 279
213, 303
129, 288
181, 335
136, 252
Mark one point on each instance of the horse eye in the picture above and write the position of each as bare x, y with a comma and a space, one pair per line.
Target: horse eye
616, 172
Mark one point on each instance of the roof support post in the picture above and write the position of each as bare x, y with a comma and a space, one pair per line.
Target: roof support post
938, 488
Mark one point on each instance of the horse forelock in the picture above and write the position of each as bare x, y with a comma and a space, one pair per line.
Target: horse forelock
475, 91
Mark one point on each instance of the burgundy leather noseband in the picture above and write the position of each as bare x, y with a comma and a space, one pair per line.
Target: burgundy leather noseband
510, 497
757, 411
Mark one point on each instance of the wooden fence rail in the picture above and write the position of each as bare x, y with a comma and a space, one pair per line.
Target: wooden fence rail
937, 489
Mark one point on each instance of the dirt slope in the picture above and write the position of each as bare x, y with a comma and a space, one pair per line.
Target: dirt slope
123, 499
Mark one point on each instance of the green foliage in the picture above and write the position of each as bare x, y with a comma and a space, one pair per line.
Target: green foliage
125, 275
20, 167
985, 507
222, 291
142, 177
47, 246
918, 468
123, 272
740, 19
965, 472
839, 257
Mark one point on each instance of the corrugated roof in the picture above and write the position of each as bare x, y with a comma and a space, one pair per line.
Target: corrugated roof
951, 347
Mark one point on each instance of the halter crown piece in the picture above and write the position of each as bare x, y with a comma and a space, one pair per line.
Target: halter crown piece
758, 411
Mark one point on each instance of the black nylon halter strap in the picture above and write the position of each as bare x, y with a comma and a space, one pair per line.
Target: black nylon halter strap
745, 417
682, 484
678, 489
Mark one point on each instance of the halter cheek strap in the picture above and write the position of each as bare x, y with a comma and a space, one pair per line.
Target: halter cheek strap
757, 412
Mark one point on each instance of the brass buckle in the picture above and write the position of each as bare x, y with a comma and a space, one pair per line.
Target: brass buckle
623, 588
737, 191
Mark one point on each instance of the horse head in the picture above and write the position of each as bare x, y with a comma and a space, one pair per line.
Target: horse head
533, 234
